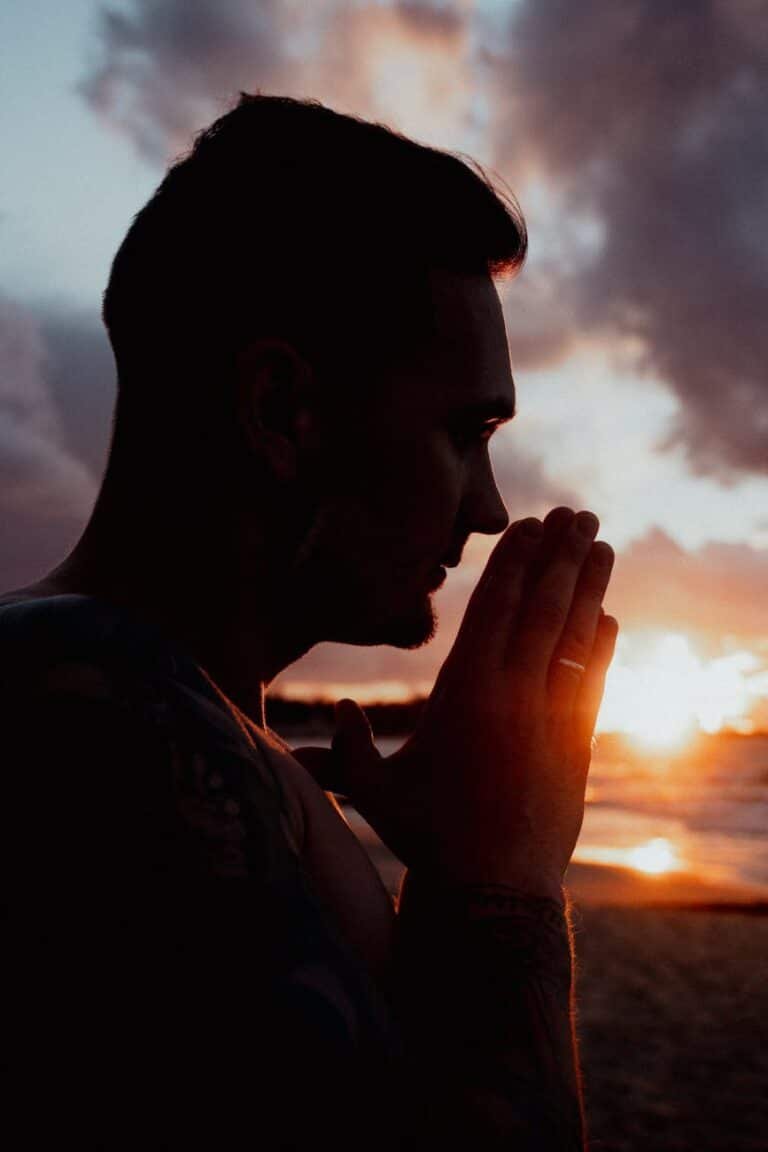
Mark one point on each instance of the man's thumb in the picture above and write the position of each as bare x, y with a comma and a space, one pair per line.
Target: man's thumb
354, 750
353, 736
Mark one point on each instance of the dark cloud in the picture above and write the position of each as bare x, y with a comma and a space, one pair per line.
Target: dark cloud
46, 489
643, 121
648, 119
166, 69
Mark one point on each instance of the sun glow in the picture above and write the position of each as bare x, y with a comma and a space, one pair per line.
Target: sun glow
655, 856
661, 694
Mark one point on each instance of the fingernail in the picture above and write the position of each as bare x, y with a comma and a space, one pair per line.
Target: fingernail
602, 554
587, 524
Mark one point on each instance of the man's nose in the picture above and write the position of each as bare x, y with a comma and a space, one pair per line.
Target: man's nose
486, 511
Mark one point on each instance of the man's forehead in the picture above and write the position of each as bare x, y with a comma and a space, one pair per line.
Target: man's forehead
471, 351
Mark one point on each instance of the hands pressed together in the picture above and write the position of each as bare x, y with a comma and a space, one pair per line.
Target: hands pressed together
490, 788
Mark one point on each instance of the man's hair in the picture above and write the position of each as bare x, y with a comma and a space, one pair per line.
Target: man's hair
287, 219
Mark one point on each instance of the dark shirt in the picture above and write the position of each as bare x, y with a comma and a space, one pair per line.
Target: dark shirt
172, 981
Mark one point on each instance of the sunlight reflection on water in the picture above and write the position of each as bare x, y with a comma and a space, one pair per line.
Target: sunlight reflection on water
704, 812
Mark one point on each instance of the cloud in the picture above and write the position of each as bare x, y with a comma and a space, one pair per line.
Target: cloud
165, 70
46, 491
522, 479
647, 120
81, 380
635, 130
712, 592
165, 67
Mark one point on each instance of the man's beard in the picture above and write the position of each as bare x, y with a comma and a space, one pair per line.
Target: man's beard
410, 630
352, 605
372, 621
366, 621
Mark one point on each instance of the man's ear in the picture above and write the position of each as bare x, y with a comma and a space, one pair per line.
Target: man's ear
275, 400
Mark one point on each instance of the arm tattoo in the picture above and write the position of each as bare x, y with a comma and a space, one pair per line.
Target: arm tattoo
485, 997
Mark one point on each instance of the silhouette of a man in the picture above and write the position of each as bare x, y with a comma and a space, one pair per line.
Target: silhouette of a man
311, 358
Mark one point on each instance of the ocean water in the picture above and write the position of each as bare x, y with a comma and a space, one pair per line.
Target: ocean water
708, 802
702, 809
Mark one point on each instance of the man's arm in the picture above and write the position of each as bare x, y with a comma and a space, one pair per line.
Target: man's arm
484, 996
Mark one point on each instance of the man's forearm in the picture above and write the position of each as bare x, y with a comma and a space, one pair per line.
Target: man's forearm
484, 986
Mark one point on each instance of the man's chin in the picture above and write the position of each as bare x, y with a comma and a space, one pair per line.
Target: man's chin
411, 633
407, 631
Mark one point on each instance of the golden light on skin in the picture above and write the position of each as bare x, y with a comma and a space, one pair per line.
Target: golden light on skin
660, 693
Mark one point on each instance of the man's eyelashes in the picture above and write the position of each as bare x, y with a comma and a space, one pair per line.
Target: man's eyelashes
476, 435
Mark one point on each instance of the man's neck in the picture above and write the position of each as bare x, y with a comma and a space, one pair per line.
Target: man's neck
231, 631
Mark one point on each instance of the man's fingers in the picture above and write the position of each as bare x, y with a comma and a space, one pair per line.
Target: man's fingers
590, 694
578, 637
556, 522
351, 766
496, 599
544, 618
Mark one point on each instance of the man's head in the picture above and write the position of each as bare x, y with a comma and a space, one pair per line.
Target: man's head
308, 341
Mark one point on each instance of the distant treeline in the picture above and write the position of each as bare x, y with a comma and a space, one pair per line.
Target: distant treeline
317, 716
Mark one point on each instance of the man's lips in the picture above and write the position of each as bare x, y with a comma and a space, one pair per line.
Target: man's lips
439, 573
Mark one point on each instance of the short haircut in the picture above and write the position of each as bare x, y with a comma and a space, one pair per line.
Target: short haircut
288, 219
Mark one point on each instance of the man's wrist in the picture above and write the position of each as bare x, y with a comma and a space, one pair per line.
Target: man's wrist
479, 895
493, 926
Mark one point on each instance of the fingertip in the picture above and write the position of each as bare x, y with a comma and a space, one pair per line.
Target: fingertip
345, 709
520, 534
560, 514
609, 627
605, 637
531, 528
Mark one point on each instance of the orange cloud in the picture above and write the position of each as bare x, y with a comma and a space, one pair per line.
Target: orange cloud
715, 591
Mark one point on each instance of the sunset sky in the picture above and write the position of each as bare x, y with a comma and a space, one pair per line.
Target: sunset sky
633, 134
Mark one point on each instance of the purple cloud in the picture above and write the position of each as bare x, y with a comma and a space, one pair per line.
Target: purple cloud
648, 121
46, 491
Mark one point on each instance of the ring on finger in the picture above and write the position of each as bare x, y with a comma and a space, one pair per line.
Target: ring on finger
572, 664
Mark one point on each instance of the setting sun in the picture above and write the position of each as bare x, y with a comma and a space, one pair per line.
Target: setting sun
655, 856
661, 694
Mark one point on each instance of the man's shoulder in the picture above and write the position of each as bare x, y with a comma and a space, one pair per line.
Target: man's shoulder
41, 633
99, 713
97, 662
82, 667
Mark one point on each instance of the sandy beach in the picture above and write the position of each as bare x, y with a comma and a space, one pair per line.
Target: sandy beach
673, 1027
672, 1008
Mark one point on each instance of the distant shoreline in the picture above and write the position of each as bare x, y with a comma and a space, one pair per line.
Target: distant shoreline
295, 718
591, 884
602, 885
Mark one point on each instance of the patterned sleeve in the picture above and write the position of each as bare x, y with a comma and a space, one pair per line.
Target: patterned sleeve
166, 986
485, 1007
